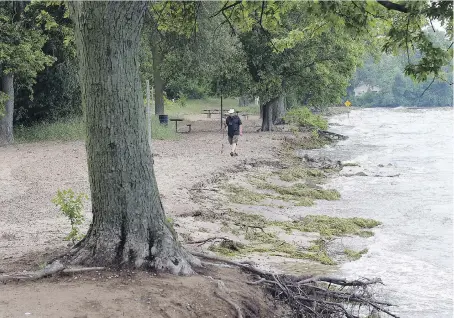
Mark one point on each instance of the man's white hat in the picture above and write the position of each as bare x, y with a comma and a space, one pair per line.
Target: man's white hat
231, 111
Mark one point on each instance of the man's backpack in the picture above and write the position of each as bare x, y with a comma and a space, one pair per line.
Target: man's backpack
234, 123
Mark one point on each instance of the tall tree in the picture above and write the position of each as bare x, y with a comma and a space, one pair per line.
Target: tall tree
129, 226
402, 24
20, 55
168, 25
323, 56
55, 93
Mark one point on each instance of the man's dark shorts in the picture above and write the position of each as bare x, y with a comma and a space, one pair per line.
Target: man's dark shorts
233, 140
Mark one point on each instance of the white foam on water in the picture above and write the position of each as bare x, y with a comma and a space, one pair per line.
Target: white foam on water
413, 250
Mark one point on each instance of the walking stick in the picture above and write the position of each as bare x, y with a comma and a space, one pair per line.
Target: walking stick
222, 141
223, 130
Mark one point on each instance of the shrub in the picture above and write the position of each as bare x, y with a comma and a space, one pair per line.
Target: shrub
71, 205
303, 117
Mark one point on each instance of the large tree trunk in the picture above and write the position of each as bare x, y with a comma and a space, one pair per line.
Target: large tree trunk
157, 79
267, 114
279, 110
6, 121
129, 226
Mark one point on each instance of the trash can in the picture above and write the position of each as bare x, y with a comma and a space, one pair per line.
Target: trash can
163, 119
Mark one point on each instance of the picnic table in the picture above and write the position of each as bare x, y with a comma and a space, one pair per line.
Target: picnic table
176, 120
208, 112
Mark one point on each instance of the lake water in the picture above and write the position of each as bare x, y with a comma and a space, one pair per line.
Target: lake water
413, 250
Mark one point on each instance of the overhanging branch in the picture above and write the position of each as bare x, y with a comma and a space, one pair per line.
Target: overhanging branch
393, 6
226, 7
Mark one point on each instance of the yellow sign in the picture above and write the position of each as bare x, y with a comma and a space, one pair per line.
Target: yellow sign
347, 103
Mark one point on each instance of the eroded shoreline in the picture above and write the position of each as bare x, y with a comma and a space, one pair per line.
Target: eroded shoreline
248, 214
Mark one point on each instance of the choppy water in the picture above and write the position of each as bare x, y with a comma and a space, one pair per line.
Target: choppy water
413, 250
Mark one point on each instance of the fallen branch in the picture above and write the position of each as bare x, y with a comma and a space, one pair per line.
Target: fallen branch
341, 282
51, 269
317, 296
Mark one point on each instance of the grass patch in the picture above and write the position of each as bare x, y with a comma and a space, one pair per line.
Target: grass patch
355, 255
64, 130
162, 132
74, 129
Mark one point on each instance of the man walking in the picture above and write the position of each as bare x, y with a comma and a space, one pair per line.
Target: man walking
234, 129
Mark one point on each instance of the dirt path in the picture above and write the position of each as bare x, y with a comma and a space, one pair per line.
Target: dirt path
32, 230
30, 175
190, 174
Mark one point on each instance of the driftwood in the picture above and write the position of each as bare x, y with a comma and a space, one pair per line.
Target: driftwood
331, 135
317, 296
51, 269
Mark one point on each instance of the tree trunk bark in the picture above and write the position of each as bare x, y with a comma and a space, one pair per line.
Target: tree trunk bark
157, 79
6, 121
279, 110
129, 228
267, 114
261, 108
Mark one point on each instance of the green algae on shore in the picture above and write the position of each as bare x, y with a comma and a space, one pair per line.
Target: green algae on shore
330, 226
255, 229
241, 195
301, 193
298, 185
296, 173
355, 255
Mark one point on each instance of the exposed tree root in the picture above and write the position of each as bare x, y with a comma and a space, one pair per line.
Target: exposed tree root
221, 286
309, 296
246, 267
210, 239
317, 296
52, 269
